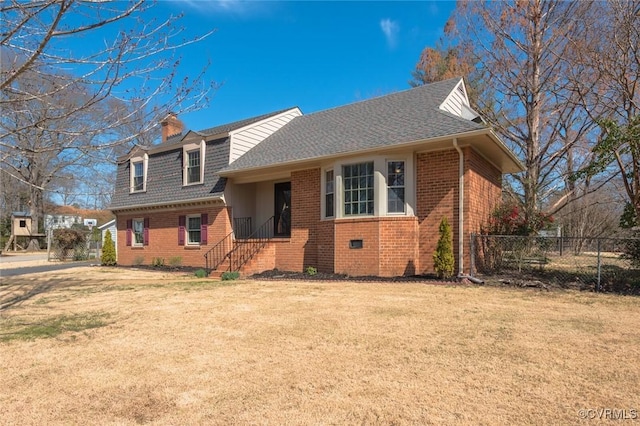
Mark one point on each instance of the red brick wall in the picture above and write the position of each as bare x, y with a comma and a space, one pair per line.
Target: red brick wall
357, 262
437, 190
302, 248
326, 246
483, 192
264, 260
437, 197
163, 236
483, 189
398, 246
389, 246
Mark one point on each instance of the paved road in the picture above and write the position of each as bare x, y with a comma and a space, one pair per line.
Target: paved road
42, 268
23, 257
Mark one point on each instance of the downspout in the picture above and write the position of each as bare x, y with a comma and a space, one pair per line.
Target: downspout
461, 273
460, 208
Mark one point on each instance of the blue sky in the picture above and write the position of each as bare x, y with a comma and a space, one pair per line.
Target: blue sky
314, 55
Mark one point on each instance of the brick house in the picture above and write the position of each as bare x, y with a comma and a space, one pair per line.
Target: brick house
359, 189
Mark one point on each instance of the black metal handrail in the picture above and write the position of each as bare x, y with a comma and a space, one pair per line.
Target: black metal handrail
238, 251
218, 253
244, 250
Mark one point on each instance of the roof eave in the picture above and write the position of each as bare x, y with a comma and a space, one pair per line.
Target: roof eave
294, 163
167, 204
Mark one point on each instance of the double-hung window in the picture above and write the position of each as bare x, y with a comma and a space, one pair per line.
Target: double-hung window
138, 232
329, 194
193, 229
395, 187
193, 157
193, 166
138, 176
358, 189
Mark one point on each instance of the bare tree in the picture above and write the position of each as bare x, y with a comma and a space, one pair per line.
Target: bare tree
66, 108
613, 56
520, 72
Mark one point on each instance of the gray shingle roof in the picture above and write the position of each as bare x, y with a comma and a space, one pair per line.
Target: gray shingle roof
221, 129
229, 127
401, 117
164, 178
164, 174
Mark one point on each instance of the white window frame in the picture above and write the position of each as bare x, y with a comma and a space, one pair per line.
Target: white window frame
380, 187
134, 242
403, 186
358, 189
325, 185
186, 149
145, 164
187, 238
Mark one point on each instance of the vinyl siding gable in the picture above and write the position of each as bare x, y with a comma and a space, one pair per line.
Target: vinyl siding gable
243, 139
455, 100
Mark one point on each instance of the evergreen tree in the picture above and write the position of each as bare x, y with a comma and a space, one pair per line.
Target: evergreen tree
108, 251
443, 260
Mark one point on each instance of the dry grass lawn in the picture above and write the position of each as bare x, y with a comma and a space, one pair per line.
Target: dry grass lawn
112, 346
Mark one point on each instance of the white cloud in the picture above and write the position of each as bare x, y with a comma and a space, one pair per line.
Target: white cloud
390, 29
236, 7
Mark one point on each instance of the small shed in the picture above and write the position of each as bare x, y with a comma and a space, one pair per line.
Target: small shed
111, 227
21, 224
22, 227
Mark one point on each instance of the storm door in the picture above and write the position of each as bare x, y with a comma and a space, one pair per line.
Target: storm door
282, 214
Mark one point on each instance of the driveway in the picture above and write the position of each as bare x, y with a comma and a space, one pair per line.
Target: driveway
53, 266
31, 263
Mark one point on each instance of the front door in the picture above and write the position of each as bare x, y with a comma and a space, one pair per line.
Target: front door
282, 215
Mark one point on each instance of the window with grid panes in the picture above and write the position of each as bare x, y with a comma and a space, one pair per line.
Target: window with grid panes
358, 189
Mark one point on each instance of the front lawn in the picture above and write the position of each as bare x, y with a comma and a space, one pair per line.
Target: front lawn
107, 346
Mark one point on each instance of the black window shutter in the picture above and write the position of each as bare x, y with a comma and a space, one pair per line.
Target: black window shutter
145, 234
204, 220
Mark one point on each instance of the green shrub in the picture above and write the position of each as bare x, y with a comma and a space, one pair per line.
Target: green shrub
443, 260
138, 260
175, 262
108, 257
311, 271
230, 276
201, 273
157, 262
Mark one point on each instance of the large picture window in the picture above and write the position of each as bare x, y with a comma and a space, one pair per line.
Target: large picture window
193, 229
358, 189
193, 167
395, 187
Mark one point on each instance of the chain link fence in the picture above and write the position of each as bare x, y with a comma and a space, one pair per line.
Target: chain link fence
598, 264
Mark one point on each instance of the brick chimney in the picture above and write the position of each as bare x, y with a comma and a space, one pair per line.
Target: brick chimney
171, 126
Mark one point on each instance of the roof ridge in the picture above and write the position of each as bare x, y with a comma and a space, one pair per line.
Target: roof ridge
247, 119
398, 92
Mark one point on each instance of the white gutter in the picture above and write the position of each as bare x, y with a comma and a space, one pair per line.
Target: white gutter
460, 208
461, 274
